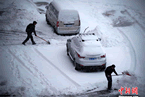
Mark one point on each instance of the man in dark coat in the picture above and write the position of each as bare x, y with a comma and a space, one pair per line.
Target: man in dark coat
30, 28
108, 72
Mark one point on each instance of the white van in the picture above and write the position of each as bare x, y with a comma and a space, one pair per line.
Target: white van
63, 17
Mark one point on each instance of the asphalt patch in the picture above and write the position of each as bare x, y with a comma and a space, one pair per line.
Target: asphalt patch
41, 3
41, 11
122, 22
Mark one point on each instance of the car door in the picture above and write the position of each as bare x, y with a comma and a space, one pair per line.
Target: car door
72, 49
75, 47
54, 15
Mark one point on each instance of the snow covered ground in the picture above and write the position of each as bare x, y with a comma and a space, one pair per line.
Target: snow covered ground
42, 69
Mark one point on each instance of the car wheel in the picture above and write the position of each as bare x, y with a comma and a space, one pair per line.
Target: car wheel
76, 65
103, 69
67, 51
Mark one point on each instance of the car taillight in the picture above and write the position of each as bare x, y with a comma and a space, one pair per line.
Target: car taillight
103, 56
80, 56
57, 24
81, 65
103, 64
79, 23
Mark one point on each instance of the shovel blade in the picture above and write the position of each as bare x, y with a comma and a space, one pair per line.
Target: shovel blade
48, 42
126, 73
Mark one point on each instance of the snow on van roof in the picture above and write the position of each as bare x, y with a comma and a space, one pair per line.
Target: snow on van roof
68, 15
62, 5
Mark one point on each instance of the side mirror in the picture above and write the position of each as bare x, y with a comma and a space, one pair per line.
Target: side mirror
46, 7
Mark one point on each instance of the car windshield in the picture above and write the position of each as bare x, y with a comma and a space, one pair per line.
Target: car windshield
91, 43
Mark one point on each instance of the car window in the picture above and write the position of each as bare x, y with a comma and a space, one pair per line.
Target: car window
51, 7
76, 42
91, 43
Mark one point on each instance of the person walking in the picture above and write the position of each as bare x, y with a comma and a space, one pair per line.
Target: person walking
108, 72
29, 29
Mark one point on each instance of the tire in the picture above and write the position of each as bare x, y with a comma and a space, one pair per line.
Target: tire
47, 20
55, 30
76, 65
67, 51
103, 69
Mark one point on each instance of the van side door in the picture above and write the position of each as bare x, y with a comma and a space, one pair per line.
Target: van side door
54, 15
49, 13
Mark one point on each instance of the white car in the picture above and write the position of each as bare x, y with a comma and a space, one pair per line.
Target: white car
86, 52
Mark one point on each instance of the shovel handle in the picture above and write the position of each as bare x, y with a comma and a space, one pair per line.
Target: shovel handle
118, 75
43, 39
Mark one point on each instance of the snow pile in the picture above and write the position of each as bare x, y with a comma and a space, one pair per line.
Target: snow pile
17, 14
119, 18
108, 38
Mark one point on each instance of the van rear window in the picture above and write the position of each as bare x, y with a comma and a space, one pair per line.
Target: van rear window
68, 15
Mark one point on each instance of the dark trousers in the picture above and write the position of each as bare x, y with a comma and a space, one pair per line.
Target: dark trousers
109, 78
29, 35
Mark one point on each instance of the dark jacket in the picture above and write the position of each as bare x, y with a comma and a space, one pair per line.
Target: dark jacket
109, 70
31, 28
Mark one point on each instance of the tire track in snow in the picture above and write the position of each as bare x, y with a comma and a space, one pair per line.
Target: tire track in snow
52, 88
19, 61
136, 22
17, 71
40, 74
133, 62
76, 84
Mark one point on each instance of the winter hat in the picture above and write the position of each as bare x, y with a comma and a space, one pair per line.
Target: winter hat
113, 65
34, 22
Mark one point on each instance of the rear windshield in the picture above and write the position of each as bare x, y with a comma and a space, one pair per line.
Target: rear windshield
91, 43
68, 15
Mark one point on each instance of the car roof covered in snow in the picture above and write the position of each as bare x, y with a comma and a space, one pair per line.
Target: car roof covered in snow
62, 5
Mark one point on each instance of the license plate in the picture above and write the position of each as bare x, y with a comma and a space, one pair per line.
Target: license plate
68, 25
92, 58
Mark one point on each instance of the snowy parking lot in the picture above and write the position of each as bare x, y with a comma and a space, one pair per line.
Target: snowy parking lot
46, 70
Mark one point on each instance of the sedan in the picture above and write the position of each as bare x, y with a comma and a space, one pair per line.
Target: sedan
86, 52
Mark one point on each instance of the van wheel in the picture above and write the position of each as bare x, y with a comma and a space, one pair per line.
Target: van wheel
55, 30
47, 21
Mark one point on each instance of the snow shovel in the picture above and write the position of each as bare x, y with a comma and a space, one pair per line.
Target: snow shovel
124, 73
44, 39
